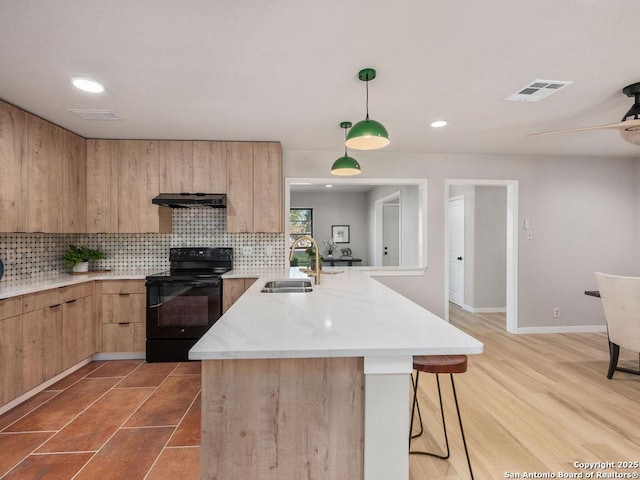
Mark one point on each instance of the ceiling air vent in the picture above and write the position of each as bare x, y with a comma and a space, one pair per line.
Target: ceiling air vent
90, 114
537, 90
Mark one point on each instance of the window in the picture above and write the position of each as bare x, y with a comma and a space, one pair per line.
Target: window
300, 224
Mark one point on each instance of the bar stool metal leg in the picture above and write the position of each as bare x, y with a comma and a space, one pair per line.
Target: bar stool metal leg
416, 405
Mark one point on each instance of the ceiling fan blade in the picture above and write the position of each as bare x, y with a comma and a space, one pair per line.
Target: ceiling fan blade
628, 125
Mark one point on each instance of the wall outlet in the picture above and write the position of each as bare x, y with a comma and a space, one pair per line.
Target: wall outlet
556, 312
268, 250
247, 250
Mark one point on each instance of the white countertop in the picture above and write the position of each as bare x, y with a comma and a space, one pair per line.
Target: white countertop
349, 314
55, 280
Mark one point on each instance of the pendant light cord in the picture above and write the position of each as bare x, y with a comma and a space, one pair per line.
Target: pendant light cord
345, 141
367, 87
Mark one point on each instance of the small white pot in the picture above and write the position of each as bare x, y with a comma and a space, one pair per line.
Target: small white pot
81, 267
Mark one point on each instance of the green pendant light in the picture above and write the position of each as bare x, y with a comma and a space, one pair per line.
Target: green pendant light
346, 165
367, 134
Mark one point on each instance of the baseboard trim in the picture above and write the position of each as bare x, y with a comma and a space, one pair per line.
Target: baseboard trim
119, 356
565, 329
43, 386
484, 309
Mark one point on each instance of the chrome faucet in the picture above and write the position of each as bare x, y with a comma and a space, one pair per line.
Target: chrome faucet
317, 250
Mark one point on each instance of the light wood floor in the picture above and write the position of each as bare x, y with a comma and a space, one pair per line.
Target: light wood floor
533, 403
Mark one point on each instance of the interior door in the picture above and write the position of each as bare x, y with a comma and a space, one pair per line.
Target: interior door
391, 235
456, 250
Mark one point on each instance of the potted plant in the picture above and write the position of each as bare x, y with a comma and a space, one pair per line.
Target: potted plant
78, 257
311, 253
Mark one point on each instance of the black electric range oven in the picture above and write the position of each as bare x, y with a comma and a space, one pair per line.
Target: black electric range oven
183, 303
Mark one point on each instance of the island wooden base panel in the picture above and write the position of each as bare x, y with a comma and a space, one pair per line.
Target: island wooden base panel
283, 419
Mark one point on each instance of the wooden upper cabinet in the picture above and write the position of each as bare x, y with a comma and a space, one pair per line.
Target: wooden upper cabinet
44, 212
74, 183
102, 186
239, 160
176, 166
254, 187
209, 167
138, 184
267, 187
13, 169
193, 167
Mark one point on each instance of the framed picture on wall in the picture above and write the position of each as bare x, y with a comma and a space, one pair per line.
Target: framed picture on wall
340, 233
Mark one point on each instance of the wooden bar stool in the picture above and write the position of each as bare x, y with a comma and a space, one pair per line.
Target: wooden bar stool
438, 364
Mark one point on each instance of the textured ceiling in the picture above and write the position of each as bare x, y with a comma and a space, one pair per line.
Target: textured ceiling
287, 69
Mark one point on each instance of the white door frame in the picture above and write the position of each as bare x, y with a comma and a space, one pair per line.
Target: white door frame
464, 213
379, 226
512, 245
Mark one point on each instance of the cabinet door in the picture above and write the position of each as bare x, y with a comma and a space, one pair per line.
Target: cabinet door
45, 176
13, 169
123, 337
232, 289
138, 183
11, 361
267, 187
41, 345
78, 331
176, 167
239, 186
74, 183
102, 186
209, 167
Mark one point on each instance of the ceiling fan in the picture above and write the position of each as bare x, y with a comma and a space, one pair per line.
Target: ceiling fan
629, 126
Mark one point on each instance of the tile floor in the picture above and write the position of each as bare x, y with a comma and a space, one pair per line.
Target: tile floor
92, 424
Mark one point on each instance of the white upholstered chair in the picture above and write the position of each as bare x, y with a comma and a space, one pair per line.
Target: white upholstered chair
621, 302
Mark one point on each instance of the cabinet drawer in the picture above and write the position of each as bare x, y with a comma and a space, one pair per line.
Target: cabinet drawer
73, 292
10, 307
128, 337
123, 308
123, 286
39, 300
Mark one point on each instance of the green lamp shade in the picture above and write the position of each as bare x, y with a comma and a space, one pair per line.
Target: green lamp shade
367, 135
345, 166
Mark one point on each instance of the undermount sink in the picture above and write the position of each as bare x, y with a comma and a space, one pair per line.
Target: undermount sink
287, 286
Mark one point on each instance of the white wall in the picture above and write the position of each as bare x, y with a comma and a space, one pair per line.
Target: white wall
337, 208
583, 214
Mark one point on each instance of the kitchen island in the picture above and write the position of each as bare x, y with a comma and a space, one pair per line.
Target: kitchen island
315, 385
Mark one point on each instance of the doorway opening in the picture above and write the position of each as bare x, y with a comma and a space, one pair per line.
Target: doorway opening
502, 220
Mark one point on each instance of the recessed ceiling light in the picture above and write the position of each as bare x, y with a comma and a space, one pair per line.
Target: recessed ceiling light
329, 186
87, 84
439, 123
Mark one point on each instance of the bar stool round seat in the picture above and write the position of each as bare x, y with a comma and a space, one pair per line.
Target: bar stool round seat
438, 364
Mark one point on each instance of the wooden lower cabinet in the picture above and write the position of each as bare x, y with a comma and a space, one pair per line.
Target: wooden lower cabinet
41, 345
42, 334
122, 315
10, 356
232, 290
78, 331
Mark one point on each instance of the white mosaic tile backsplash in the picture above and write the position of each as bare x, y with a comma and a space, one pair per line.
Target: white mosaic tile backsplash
36, 255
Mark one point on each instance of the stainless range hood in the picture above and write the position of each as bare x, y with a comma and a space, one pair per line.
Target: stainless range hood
190, 200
